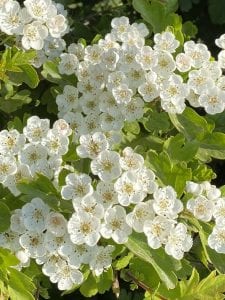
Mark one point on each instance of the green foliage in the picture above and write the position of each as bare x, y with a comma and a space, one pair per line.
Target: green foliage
163, 264
14, 284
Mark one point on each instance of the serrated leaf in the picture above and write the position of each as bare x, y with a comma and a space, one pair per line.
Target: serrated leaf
164, 264
191, 124
179, 149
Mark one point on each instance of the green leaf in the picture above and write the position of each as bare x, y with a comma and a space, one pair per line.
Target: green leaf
213, 145
4, 217
164, 264
169, 173
122, 262
156, 121
132, 127
42, 187
189, 29
89, 287
7, 258
191, 124
180, 150
20, 286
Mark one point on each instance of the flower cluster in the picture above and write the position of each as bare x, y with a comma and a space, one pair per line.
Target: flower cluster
207, 204
38, 149
119, 75
119, 195
37, 232
40, 24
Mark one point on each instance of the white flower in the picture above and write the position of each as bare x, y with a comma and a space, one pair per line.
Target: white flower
68, 63
221, 59
34, 156
119, 25
166, 41
34, 35
201, 207
147, 179
193, 98
39, 59
93, 54
157, 231
13, 18
135, 76
92, 123
36, 129
216, 239
76, 254
90, 205
132, 38
40, 10
179, 241
131, 160
147, 58
115, 225
199, 81
183, 62
34, 243
84, 229
77, 186
213, 100
62, 127
122, 94
134, 109
76, 122
7, 167
115, 79
149, 90
166, 202
57, 26
56, 144
76, 49
53, 47
89, 104
142, 212
106, 193
174, 88
56, 224
66, 276
166, 64
106, 165
92, 145
194, 188
127, 58
53, 242
220, 42
110, 59
213, 69
68, 100
10, 240
108, 104
198, 52
34, 215
101, 259
22, 172
129, 189
112, 122
219, 209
